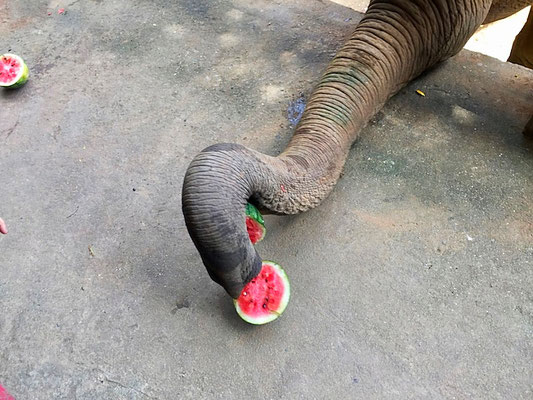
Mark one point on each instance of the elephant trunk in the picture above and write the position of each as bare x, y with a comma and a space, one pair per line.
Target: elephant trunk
394, 42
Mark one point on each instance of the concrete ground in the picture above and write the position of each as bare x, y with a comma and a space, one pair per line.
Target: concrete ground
412, 281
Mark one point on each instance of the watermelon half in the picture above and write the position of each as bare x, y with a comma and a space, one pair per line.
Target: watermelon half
254, 224
265, 297
13, 71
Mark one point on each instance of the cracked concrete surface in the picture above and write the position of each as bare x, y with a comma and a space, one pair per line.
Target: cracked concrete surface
413, 280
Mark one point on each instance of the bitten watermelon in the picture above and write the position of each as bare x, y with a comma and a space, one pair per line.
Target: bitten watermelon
265, 297
13, 71
254, 224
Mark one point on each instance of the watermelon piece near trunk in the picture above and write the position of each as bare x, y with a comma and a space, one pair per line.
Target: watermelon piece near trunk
265, 297
255, 224
13, 71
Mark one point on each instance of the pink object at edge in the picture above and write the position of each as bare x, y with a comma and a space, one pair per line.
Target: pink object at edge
3, 228
4, 395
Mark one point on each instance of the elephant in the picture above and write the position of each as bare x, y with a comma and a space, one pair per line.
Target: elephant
395, 41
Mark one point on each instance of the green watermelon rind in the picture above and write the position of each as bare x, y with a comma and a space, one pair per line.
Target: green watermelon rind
23, 78
282, 306
253, 213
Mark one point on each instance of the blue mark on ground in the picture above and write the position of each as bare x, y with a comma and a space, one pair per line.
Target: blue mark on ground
295, 110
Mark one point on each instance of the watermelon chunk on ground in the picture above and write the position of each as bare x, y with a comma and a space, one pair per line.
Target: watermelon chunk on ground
13, 71
265, 297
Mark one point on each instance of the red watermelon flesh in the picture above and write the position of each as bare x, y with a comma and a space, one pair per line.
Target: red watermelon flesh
255, 224
266, 296
256, 231
9, 70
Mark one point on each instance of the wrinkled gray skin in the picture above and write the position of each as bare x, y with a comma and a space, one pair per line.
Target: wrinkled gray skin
394, 42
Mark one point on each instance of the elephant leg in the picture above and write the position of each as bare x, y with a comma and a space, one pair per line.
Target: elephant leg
522, 54
522, 51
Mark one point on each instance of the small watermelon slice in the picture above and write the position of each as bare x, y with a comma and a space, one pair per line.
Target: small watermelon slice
255, 224
13, 71
265, 297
